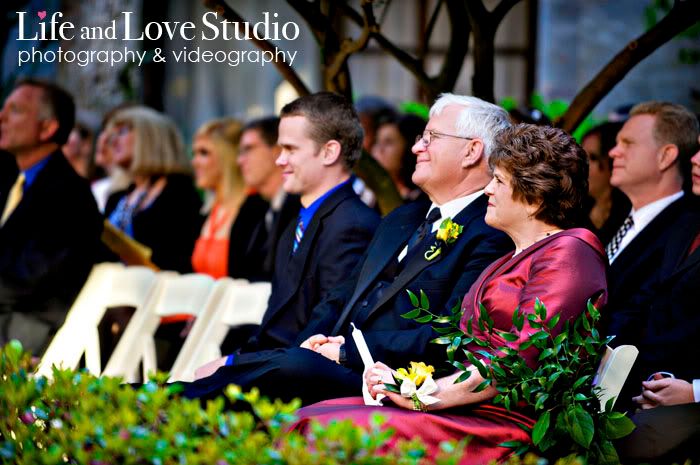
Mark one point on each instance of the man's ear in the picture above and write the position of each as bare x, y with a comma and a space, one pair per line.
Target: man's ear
48, 129
331, 152
473, 153
667, 156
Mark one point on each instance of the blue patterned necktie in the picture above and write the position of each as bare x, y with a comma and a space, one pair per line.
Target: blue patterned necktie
298, 234
614, 243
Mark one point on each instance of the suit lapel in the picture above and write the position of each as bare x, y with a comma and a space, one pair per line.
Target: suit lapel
296, 263
386, 247
418, 262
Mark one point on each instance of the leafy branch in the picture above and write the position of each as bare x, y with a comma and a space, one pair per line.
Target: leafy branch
559, 392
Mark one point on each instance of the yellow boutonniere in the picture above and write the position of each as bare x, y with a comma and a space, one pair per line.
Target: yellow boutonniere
448, 232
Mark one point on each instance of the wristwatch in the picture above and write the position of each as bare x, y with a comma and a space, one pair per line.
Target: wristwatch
342, 356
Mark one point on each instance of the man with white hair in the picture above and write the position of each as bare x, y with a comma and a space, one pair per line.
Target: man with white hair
405, 254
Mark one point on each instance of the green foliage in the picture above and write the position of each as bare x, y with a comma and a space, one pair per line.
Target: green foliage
553, 110
655, 10
558, 392
81, 419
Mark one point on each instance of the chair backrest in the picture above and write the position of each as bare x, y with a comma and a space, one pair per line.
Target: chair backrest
241, 303
184, 294
108, 285
613, 370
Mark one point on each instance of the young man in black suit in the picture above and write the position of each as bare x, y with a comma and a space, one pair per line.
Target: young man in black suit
320, 139
50, 226
452, 169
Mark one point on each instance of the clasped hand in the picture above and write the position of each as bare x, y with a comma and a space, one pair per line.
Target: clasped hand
664, 391
328, 346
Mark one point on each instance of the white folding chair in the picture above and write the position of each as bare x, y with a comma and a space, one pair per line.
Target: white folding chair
108, 285
184, 294
613, 370
242, 303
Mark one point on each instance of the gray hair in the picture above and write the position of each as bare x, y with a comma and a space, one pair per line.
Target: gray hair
478, 118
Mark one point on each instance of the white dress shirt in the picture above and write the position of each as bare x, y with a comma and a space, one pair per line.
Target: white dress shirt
643, 217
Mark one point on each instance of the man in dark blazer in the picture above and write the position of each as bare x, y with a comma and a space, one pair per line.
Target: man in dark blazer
666, 379
647, 159
452, 169
50, 225
265, 214
320, 139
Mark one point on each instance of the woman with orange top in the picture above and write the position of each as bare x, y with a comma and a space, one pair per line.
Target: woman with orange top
215, 150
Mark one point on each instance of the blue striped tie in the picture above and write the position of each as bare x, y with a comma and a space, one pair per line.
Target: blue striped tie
298, 234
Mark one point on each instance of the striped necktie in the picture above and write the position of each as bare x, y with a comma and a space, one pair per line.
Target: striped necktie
13, 198
614, 243
298, 234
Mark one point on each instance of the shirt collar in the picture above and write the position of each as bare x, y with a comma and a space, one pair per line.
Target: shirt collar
306, 214
31, 173
453, 207
647, 213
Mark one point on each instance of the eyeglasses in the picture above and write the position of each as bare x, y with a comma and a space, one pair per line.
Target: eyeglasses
428, 137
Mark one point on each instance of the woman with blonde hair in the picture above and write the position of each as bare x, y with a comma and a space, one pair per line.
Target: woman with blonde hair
161, 207
215, 150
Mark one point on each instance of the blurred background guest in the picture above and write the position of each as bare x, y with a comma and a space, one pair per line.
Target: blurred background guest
49, 223
392, 149
216, 170
607, 205
160, 209
78, 149
109, 177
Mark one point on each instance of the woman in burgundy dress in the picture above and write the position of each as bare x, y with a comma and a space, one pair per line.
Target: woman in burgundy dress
536, 197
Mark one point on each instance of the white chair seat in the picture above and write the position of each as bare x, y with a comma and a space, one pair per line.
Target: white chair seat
241, 303
185, 294
108, 285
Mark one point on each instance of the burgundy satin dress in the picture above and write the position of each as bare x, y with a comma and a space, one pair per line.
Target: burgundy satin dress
563, 271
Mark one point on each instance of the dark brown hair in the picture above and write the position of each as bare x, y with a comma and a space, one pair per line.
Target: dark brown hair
546, 166
331, 117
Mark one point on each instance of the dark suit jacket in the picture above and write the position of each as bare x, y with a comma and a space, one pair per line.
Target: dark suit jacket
333, 243
170, 225
47, 248
638, 267
251, 249
663, 319
445, 279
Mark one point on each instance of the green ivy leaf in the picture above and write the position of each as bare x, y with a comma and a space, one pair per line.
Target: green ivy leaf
424, 319
483, 385
510, 337
411, 314
540, 429
579, 423
424, 303
413, 297
607, 455
442, 340
483, 371
617, 425
554, 320
518, 319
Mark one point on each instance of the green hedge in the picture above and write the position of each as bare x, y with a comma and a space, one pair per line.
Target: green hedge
78, 418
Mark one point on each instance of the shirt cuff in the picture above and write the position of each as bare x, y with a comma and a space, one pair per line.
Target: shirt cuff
229, 360
696, 390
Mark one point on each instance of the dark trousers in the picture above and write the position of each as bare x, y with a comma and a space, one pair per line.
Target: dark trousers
664, 435
283, 374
